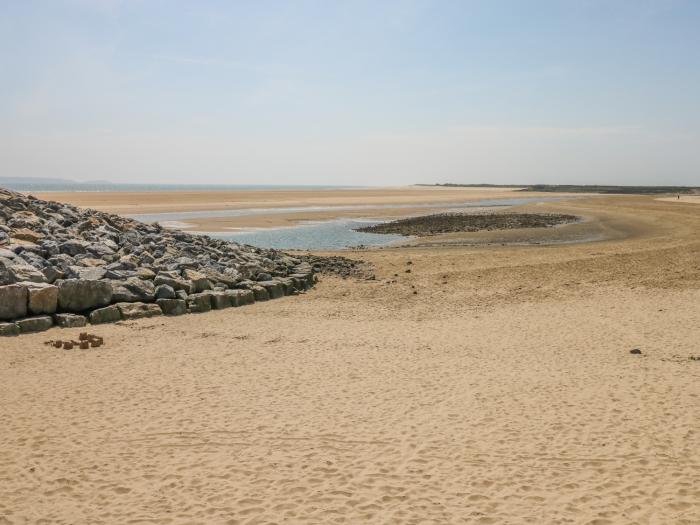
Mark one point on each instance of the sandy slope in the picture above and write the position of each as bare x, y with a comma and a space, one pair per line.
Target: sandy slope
502, 392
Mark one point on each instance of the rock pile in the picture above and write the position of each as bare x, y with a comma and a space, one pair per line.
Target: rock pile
65, 266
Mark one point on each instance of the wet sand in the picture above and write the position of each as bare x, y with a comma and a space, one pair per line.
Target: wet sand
503, 391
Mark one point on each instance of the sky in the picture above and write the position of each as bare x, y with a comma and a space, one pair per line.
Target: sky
376, 92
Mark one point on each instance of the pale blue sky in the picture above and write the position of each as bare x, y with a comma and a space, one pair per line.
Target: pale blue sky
351, 92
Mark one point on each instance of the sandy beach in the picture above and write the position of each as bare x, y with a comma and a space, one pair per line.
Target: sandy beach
486, 384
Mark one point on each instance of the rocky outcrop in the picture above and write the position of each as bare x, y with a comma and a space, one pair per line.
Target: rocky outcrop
60, 265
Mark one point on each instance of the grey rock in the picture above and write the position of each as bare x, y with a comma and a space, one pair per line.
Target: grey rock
70, 320
34, 324
181, 294
175, 283
138, 310
13, 301
261, 294
73, 247
163, 291
219, 300
199, 281
26, 272
274, 288
7, 329
198, 303
172, 306
263, 277
133, 290
43, 298
77, 295
109, 314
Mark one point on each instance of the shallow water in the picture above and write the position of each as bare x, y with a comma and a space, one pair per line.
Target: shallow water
335, 234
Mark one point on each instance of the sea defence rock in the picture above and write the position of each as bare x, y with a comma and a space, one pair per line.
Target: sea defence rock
108, 314
70, 320
13, 302
34, 324
66, 266
42, 298
172, 306
138, 310
75, 295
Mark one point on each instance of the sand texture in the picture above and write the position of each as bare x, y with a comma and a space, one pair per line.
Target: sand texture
502, 392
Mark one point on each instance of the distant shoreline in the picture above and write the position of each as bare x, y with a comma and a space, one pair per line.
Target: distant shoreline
581, 188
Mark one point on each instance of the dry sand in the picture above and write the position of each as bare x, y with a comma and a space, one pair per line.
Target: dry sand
504, 392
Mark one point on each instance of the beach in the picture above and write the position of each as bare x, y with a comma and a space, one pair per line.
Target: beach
479, 378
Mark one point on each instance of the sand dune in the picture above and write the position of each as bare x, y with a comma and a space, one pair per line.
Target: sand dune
503, 391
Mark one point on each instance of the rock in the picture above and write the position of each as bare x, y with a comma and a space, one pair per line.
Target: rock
70, 320
163, 291
73, 247
25, 272
198, 303
138, 310
181, 294
261, 293
172, 306
219, 300
274, 289
199, 281
246, 297
133, 290
34, 324
51, 274
174, 283
87, 273
13, 302
7, 329
26, 234
263, 277
43, 298
636, 351
145, 274
77, 295
109, 314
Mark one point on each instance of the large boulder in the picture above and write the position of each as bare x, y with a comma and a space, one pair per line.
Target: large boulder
9, 329
198, 302
109, 314
275, 289
70, 320
172, 306
76, 295
133, 290
13, 301
138, 310
199, 281
261, 293
34, 324
163, 291
175, 282
43, 297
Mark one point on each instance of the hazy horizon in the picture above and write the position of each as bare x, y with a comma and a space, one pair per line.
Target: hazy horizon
361, 93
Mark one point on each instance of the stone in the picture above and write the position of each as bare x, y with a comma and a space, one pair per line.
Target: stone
109, 314
133, 290
87, 273
636, 351
174, 283
163, 291
73, 247
261, 294
219, 300
77, 295
275, 289
8, 329
25, 272
34, 324
199, 302
246, 297
70, 320
13, 301
199, 281
138, 310
172, 306
43, 298
26, 234
263, 276
181, 294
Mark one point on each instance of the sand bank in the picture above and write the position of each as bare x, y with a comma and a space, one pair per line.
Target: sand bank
502, 392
